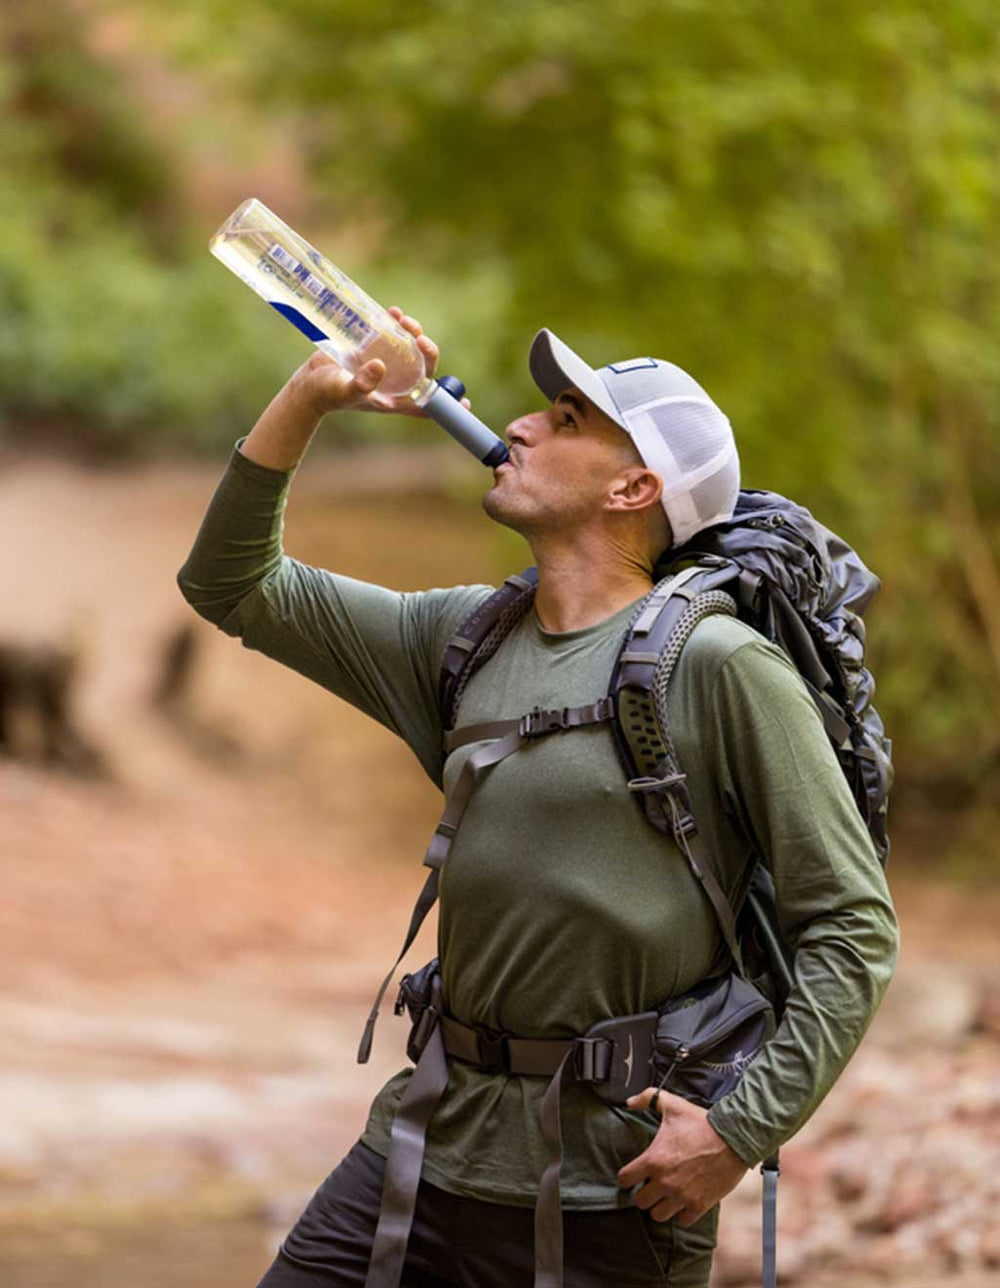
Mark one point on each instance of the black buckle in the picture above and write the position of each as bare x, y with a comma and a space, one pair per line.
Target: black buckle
423, 1029
494, 1053
592, 1059
538, 722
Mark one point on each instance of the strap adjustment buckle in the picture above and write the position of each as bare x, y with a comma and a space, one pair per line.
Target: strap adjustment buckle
538, 722
494, 1052
592, 1059
423, 1029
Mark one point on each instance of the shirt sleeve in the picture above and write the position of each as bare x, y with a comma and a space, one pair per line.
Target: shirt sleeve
378, 649
781, 781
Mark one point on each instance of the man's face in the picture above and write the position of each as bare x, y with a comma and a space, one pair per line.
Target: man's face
562, 460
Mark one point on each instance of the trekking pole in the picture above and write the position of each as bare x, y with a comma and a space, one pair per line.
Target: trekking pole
781, 964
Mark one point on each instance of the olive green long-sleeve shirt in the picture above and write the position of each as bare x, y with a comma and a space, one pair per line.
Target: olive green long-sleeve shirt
560, 905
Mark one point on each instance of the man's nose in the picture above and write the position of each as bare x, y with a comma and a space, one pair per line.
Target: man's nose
526, 429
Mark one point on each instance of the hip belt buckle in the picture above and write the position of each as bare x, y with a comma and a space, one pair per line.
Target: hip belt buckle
494, 1053
592, 1059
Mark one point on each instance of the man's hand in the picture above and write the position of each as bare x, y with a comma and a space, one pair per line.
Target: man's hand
687, 1168
326, 386
282, 434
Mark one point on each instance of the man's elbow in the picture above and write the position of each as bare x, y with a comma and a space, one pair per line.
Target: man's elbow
202, 599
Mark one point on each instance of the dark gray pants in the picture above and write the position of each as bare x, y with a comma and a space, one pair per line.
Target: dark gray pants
464, 1243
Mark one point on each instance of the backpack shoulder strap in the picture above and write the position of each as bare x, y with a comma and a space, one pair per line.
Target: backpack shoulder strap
479, 636
652, 648
642, 673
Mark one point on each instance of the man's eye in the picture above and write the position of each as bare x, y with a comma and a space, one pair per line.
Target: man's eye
569, 420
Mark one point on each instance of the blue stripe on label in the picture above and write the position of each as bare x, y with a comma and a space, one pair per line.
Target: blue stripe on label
298, 319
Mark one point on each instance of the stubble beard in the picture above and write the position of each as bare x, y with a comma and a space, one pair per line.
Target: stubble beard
503, 510
516, 509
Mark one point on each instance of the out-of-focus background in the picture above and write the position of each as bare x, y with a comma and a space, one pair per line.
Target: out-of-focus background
207, 861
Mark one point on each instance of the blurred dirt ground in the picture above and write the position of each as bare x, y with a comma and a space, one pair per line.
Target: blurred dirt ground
191, 943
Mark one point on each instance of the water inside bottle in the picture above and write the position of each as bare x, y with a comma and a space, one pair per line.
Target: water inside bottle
315, 296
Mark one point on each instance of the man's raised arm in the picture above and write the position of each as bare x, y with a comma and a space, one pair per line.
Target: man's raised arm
376, 648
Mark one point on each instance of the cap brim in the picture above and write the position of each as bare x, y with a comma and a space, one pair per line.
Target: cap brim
555, 367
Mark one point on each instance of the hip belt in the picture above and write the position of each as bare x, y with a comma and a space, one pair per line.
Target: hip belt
697, 1046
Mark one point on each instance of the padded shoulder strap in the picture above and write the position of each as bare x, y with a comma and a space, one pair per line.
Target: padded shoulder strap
654, 642
640, 679
479, 636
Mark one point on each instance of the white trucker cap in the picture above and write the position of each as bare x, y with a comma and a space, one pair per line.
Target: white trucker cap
678, 430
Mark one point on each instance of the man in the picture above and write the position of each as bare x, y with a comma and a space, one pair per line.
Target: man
560, 905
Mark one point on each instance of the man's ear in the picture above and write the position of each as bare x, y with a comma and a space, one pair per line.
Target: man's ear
634, 489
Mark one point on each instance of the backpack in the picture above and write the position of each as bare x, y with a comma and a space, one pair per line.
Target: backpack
801, 587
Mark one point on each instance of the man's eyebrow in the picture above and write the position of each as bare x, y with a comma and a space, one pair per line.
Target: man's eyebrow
575, 403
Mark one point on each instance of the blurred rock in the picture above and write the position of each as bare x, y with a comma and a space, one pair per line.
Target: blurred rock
907, 1200
986, 1019
989, 1244
935, 1004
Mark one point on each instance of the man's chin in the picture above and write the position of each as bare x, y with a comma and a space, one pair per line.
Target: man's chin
499, 509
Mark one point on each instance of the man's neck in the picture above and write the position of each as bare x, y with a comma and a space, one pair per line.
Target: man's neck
579, 587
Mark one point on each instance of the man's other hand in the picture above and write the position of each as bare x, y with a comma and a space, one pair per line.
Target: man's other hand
687, 1168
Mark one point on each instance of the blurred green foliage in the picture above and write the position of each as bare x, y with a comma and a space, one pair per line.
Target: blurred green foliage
111, 324
796, 203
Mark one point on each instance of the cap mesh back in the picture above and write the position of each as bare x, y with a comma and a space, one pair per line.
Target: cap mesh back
690, 443
692, 429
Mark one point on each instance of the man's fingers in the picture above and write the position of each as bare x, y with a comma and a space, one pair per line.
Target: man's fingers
649, 1195
430, 351
667, 1208
635, 1172
688, 1215
424, 343
643, 1099
368, 377
405, 321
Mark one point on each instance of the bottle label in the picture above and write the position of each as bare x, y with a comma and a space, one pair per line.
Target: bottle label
297, 277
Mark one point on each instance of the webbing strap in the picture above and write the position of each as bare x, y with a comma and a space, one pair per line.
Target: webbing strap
769, 1220
404, 1163
485, 758
534, 724
668, 587
548, 1207
465, 734
709, 882
837, 728
534, 1057
425, 902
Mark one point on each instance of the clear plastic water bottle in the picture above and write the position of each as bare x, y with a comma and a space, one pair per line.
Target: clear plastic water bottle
342, 320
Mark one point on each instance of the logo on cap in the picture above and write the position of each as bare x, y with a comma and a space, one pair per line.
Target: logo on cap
637, 364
